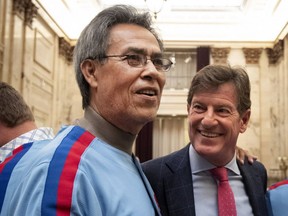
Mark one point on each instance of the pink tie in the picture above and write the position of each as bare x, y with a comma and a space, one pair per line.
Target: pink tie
226, 201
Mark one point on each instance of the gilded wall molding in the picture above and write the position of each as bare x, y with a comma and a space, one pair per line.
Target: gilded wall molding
65, 49
252, 55
26, 10
276, 53
220, 55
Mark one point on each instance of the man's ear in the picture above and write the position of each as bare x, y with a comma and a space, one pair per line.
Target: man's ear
88, 69
245, 120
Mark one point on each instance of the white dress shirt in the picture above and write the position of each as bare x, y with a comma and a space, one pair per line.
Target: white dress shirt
205, 187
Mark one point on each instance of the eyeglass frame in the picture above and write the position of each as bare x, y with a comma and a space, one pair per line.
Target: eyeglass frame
143, 61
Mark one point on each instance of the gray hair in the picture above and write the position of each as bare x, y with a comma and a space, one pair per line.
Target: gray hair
93, 41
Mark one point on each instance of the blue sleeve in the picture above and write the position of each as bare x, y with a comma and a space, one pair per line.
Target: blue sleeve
277, 198
25, 197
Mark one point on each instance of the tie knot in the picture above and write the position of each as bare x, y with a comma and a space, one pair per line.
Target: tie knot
220, 173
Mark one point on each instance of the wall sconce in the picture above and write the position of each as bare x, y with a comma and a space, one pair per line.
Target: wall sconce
155, 6
188, 59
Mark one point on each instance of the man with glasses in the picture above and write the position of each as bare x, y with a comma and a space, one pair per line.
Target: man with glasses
89, 167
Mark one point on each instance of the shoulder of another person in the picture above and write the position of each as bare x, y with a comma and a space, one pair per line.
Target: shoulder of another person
256, 166
259, 165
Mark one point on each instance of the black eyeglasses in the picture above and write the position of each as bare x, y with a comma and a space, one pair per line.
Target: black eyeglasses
136, 60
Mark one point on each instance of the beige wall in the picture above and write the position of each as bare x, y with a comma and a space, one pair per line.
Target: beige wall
35, 65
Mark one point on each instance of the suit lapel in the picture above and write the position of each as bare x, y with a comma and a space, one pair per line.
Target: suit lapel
178, 186
254, 187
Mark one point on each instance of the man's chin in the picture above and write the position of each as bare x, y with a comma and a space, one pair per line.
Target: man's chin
206, 150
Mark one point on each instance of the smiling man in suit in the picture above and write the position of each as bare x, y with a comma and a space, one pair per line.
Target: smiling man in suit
185, 182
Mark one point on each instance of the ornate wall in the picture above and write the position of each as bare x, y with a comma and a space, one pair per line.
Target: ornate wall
37, 62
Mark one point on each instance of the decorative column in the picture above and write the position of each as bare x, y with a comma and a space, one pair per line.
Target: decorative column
65, 49
25, 9
252, 55
276, 53
1, 60
220, 55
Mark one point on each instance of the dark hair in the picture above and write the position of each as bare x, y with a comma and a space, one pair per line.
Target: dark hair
213, 76
93, 41
13, 109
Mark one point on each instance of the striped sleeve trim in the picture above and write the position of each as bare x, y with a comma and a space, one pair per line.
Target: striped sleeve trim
278, 184
7, 167
62, 170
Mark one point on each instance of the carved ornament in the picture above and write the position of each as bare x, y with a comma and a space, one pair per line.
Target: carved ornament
276, 53
65, 49
220, 55
26, 10
252, 55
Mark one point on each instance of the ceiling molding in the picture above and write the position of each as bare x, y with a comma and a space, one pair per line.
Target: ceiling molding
259, 22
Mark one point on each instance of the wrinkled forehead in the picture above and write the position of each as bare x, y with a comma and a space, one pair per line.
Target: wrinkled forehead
131, 37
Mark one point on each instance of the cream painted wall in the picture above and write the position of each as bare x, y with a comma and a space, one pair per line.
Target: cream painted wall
32, 64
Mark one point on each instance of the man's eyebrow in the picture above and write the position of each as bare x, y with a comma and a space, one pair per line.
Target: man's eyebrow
143, 51
136, 50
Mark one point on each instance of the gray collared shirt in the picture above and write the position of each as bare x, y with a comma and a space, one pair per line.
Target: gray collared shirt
205, 187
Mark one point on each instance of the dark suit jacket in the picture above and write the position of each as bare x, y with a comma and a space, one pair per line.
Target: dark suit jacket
171, 179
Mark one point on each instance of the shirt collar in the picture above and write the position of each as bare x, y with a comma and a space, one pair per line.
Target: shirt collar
200, 164
103, 129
